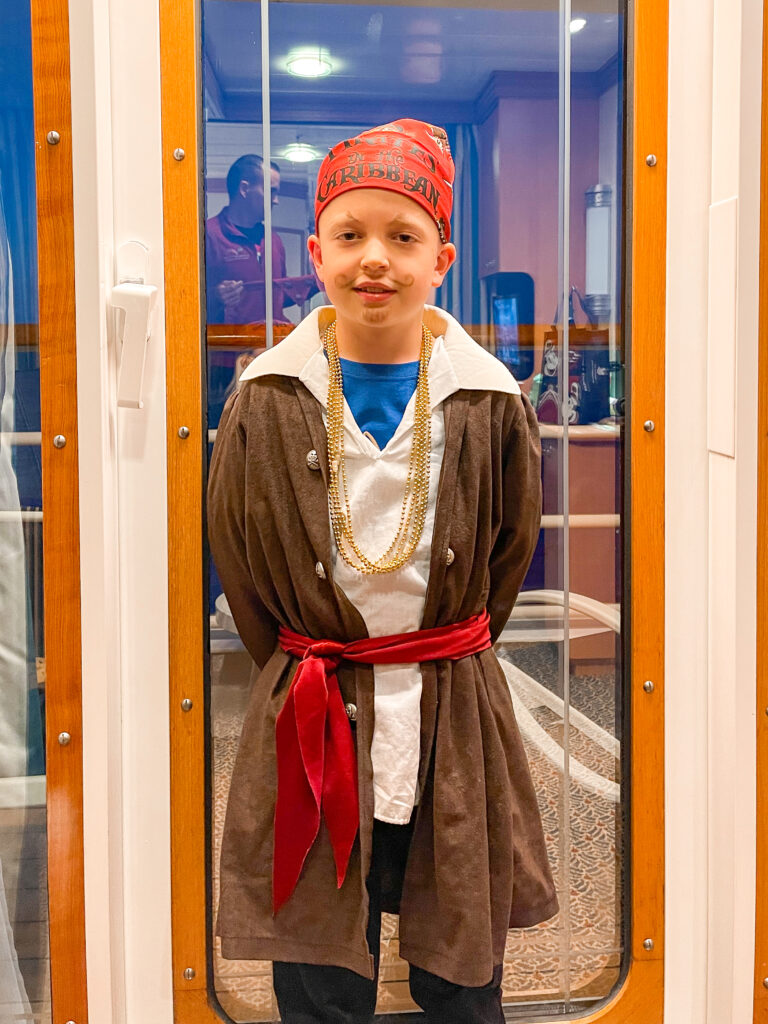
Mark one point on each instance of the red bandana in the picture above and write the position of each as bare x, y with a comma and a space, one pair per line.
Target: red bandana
406, 156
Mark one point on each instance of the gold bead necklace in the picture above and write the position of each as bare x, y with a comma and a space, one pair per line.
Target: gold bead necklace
416, 496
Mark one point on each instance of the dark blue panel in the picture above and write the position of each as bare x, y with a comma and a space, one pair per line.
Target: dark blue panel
17, 157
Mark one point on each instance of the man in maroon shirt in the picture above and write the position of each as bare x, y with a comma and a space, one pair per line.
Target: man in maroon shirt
234, 252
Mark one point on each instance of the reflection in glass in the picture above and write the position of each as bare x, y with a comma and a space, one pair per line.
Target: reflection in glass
24, 964
533, 108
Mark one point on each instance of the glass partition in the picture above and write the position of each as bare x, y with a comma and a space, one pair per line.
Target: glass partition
24, 956
533, 104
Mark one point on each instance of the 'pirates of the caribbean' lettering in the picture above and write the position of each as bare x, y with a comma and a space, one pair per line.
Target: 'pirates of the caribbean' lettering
360, 172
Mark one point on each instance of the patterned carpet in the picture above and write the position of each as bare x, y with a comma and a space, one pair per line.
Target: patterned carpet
574, 957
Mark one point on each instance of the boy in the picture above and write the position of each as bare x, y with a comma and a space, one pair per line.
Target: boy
382, 415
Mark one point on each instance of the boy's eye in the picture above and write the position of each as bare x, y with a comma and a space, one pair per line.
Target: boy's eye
347, 236
404, 236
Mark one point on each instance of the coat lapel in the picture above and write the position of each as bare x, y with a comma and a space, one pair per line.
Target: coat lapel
455, 407
313, 497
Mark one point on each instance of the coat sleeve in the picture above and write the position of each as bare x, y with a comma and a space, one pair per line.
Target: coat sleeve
520, 513
227, 535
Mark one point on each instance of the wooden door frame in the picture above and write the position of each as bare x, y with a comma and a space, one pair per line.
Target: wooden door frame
639, 999
61, 518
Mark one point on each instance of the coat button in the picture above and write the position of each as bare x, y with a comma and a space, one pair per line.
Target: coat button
320, 571
351, 710
449, 557
312, 460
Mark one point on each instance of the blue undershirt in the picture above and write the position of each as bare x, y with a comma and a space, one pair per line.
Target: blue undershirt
377, 394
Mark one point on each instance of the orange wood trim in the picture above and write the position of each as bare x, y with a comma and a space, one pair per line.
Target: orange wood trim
249, 336
648, 300
182, 224
640, 998
61, 527
761, 893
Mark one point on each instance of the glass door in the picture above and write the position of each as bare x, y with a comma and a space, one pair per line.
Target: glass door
533, 104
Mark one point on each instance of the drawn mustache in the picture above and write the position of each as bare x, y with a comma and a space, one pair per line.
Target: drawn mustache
342, 281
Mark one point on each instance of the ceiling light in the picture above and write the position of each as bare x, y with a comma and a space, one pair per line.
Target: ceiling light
577, 24
300, 153
309, 65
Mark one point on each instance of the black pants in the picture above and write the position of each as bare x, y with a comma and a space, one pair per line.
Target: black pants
311, 994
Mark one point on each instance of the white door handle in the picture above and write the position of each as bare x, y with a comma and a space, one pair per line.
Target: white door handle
137, 302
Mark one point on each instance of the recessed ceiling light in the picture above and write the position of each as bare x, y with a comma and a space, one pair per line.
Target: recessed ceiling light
300, 153
309, 65
577, 24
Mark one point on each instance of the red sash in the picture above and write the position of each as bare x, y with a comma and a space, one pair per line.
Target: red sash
316, 763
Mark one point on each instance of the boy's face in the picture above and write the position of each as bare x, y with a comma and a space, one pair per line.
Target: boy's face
378, 255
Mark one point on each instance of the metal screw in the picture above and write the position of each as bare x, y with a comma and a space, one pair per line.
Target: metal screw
649, 425
184, 433
59, 441
648, 686
651, 160
64, 739
765, 982
53, 138
179, 154
648, 944
189, 973
186, 704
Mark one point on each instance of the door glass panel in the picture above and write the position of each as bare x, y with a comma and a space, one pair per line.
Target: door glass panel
532, 101
24, 958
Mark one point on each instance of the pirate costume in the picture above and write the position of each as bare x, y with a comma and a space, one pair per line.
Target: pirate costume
380, 765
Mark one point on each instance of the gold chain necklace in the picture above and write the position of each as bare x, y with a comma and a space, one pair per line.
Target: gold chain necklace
415, 498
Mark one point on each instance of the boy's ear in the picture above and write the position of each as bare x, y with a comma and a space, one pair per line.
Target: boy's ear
446, 257
313, 244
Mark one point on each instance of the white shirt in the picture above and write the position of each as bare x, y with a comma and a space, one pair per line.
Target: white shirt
390, 602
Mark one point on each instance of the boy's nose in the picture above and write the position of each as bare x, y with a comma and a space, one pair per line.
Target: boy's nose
374, 254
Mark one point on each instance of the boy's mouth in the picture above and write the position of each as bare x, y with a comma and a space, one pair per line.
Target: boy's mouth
373, 292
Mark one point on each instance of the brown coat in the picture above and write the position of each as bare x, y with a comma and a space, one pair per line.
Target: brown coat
477, 864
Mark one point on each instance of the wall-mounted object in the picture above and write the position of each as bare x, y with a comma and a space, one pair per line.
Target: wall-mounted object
136, 300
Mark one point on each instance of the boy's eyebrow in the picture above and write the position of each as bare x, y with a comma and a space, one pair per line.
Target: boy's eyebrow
345, 218
402, 221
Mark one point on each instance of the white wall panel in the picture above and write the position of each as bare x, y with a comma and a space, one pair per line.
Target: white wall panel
688, 181
99, 519
141, 444
721, 329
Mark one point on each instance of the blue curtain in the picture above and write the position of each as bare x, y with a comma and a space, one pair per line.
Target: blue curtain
460, 292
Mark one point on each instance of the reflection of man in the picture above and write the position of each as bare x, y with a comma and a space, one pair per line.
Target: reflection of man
235, 251
275, 180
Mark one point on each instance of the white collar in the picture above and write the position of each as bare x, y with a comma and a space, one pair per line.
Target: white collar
474, 368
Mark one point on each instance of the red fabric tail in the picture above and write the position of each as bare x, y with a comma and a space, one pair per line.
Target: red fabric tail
297, 811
